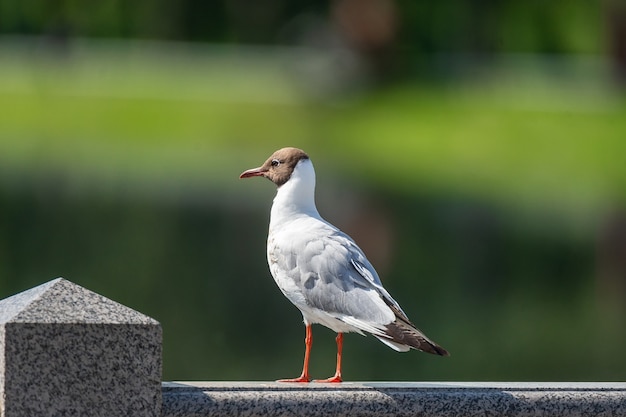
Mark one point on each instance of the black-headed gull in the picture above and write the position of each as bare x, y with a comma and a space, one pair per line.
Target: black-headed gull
322, 271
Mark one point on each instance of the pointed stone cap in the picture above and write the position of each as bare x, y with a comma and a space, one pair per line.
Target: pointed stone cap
62, 301
65, 350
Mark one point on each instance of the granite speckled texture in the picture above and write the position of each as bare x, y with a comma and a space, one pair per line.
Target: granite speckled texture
195, 399
65, 350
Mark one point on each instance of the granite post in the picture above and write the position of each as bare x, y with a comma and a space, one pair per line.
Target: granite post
65, 350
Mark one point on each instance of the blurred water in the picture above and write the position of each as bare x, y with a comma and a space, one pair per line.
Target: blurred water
490, 198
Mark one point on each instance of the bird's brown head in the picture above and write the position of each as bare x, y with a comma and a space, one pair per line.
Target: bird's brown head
279, 166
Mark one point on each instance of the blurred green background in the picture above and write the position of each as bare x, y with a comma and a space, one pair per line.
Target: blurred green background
475, 150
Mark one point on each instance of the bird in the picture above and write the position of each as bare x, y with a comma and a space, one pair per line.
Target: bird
323, 272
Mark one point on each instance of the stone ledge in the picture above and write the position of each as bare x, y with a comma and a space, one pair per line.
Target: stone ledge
194, 399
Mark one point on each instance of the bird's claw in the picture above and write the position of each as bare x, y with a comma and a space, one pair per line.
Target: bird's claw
332, 380
300, 379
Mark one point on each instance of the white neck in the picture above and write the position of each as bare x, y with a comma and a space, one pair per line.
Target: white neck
297, 196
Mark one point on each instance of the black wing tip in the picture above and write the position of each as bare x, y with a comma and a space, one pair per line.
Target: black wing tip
400, 332
438, 350
427, 346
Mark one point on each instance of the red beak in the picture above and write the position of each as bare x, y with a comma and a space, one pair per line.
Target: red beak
254, 172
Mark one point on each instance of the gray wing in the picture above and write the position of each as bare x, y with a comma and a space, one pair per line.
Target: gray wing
336, 277
333, 275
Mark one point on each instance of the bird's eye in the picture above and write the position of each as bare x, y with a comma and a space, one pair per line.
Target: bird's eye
275, 162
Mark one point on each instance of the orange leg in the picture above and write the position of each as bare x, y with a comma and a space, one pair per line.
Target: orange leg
337, 376
308, 341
